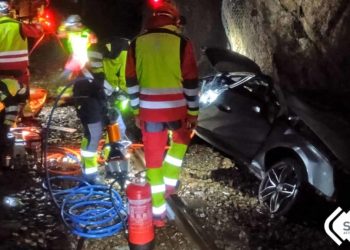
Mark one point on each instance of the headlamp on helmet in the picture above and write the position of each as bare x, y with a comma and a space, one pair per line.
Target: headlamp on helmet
167, 9
73, 21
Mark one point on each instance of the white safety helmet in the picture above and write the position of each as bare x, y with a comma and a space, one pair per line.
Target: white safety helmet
73, 21
4, 7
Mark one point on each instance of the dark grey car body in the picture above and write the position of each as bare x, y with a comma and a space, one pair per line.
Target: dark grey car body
258, 124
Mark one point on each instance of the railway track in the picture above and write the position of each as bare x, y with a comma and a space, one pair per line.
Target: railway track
181, 213
178, 211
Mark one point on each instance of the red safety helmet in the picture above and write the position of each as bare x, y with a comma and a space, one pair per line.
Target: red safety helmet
167, 9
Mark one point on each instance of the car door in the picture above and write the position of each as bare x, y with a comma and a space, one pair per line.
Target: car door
240, 119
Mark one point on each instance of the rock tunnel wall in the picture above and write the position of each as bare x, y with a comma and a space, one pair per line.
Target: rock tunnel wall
204, 27
302, 44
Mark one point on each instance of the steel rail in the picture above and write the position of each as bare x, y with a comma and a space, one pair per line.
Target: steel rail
189, 225
181, 214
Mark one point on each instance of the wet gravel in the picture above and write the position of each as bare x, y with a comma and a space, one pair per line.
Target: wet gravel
34, 222
223, 197
28, 220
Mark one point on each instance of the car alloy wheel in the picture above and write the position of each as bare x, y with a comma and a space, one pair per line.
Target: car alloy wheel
280, 186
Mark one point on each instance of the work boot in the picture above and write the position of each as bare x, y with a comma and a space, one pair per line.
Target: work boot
160, 221
170, 190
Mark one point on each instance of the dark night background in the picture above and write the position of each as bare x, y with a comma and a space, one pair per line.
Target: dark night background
106, 17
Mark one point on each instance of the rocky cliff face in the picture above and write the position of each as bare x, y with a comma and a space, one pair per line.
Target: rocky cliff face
300, 43
204, 27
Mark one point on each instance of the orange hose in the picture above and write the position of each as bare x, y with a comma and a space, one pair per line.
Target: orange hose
76, 171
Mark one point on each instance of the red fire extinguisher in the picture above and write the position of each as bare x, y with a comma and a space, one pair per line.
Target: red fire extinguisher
140, 220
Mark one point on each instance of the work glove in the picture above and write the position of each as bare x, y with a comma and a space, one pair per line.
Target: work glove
109, 89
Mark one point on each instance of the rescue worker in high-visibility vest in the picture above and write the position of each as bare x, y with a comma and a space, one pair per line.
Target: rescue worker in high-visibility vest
107, 66
107, 60
162, 81
79, 39
14, 58
11, 94
14, 75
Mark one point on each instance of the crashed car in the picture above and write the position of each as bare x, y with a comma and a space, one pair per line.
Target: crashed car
288, 140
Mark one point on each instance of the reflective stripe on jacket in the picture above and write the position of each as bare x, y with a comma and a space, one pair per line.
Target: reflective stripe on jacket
162, 77
13, 47
95, 57
113, 68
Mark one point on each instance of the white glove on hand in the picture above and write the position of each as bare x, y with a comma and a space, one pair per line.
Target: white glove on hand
108, 88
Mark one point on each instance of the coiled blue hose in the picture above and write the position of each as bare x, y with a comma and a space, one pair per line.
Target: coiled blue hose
89, 211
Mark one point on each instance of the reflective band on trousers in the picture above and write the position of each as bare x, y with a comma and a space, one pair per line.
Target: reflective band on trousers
159, 210
14, 53
133, 90
11, 117
87, 153
173, 161
11, 109
18, 59
158, 189
194, 104
165, 91
91, 170
7, 122
162, 104
191, 92
170, 182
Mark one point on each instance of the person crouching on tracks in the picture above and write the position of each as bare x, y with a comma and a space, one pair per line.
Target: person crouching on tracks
11, 95
95, 100
14, 74
162, 81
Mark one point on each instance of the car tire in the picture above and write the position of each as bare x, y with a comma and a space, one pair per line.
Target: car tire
281, 186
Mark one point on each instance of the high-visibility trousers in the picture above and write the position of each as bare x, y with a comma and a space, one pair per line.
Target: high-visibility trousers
163, 171
89, 145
